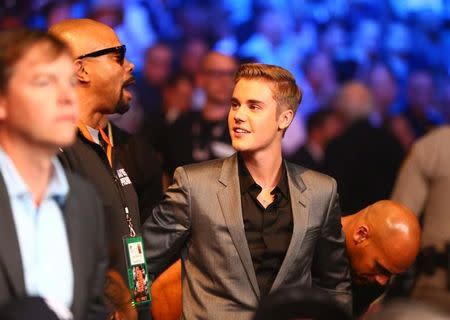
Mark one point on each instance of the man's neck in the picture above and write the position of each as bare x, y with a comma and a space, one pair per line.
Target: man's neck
215, 112
264, 167
32, 162
89, 114
91, 118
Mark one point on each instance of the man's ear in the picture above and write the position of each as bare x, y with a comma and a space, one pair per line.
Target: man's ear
285, 119
81, 72
361, 234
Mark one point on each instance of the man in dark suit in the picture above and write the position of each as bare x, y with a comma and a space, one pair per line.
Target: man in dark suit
252, 223
364, 159
51, 222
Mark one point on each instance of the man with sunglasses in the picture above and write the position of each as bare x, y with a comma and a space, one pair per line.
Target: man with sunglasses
103, 75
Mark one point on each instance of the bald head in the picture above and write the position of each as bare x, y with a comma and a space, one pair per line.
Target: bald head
84, 35
382, 239
103, 73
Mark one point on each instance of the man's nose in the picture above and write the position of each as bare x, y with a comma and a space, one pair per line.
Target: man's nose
67, 94
239, 114
129, 66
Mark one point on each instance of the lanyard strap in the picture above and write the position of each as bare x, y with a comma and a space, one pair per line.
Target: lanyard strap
103, 137
107, 145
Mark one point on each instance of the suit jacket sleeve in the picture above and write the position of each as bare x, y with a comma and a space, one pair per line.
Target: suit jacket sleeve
167, 229
96, 304
331, 270
411, 187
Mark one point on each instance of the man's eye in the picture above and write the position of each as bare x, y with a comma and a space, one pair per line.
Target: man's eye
41, 82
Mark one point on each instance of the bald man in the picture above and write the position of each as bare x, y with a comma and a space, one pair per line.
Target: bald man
103, 75
382, 240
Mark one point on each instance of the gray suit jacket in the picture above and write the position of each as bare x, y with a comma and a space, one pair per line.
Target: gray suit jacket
84, 220
200, 218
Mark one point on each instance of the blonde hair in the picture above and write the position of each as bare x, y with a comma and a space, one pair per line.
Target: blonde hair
285, 89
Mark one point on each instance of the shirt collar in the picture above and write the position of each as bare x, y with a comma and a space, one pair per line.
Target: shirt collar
246, 180
58, 187
94, 134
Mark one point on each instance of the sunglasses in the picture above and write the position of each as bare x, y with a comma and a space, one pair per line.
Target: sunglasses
120, 51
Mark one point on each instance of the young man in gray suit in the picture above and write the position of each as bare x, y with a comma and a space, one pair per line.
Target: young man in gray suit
51, 222
252, 223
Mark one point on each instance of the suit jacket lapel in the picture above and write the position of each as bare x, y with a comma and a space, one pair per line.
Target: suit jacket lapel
230, 203
74, 232
9, 244
300, 201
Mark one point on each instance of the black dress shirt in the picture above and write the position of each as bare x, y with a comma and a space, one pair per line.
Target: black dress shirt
268, 230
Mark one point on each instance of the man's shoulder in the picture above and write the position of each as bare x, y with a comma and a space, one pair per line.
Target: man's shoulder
79, 186
80, 146
308, 176
82, 156
205, 167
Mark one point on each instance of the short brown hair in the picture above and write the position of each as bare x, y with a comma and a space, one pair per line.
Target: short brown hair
285, 89
15, 43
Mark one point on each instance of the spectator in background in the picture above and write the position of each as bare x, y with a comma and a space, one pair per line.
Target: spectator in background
397, 47
136, 28
384, 89
364, 160
323, 126
420, 111
273, 42
366, 41
333, 39
157, 68
177, 96
202, 135
177, 100
321, 84
423, 185
193, 52
57, 11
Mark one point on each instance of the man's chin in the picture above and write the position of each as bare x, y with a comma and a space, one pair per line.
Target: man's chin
122, 108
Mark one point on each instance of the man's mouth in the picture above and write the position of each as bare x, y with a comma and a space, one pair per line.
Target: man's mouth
240, 130
129, 82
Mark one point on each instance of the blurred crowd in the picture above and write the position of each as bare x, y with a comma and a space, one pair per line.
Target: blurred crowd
398, 49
